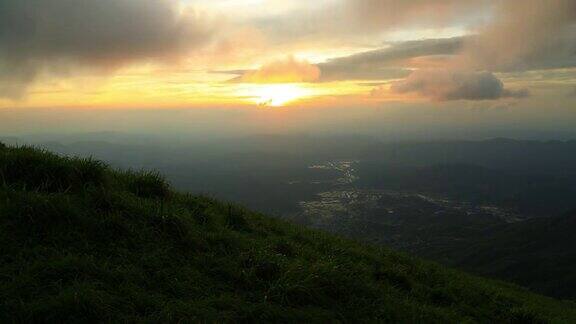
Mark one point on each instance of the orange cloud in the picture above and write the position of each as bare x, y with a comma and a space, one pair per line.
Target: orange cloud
288, 70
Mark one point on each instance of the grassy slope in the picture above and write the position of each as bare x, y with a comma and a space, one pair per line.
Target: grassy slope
80, 242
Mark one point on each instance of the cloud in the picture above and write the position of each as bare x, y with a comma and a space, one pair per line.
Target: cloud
392, 62
380, 15
58, 35
388, 63
494, 106
288, 70
521, 36
342, 22
444, 85
510, 36
514, 35
525, 35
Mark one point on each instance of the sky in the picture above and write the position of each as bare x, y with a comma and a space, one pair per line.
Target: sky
275, 66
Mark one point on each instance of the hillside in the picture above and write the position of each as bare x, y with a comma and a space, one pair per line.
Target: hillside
537, 253
81, 242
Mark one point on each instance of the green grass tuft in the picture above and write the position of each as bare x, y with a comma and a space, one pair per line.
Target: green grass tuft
83, 243
30, 169
148, 185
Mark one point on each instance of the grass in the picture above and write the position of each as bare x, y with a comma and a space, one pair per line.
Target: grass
83, 243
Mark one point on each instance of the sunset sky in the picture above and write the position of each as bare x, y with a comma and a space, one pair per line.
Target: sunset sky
315, 64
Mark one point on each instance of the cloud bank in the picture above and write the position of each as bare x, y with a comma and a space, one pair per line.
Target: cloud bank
380, 15
521, 36
444, 85
48, 35
288, 70
39, 37
524, 35
388, 63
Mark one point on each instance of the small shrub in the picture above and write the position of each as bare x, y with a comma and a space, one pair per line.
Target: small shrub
149, 185
77, 303
267, 271
441, 297
113, 225
37, 170
170, 225
101, 199
284, 248
198, 208
89, 171
200, 217
236, 220
525, 316
394, 277
37, 214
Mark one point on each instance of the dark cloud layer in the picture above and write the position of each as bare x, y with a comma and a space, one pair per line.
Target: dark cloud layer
41, 35
387, 63
446, 85
518, 40
520, 35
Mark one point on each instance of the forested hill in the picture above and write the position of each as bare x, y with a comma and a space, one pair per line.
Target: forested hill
537, 253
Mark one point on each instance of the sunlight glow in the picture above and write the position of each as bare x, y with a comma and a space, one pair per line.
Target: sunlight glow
278, 95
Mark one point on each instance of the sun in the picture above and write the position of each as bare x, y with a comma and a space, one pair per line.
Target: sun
278, 95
